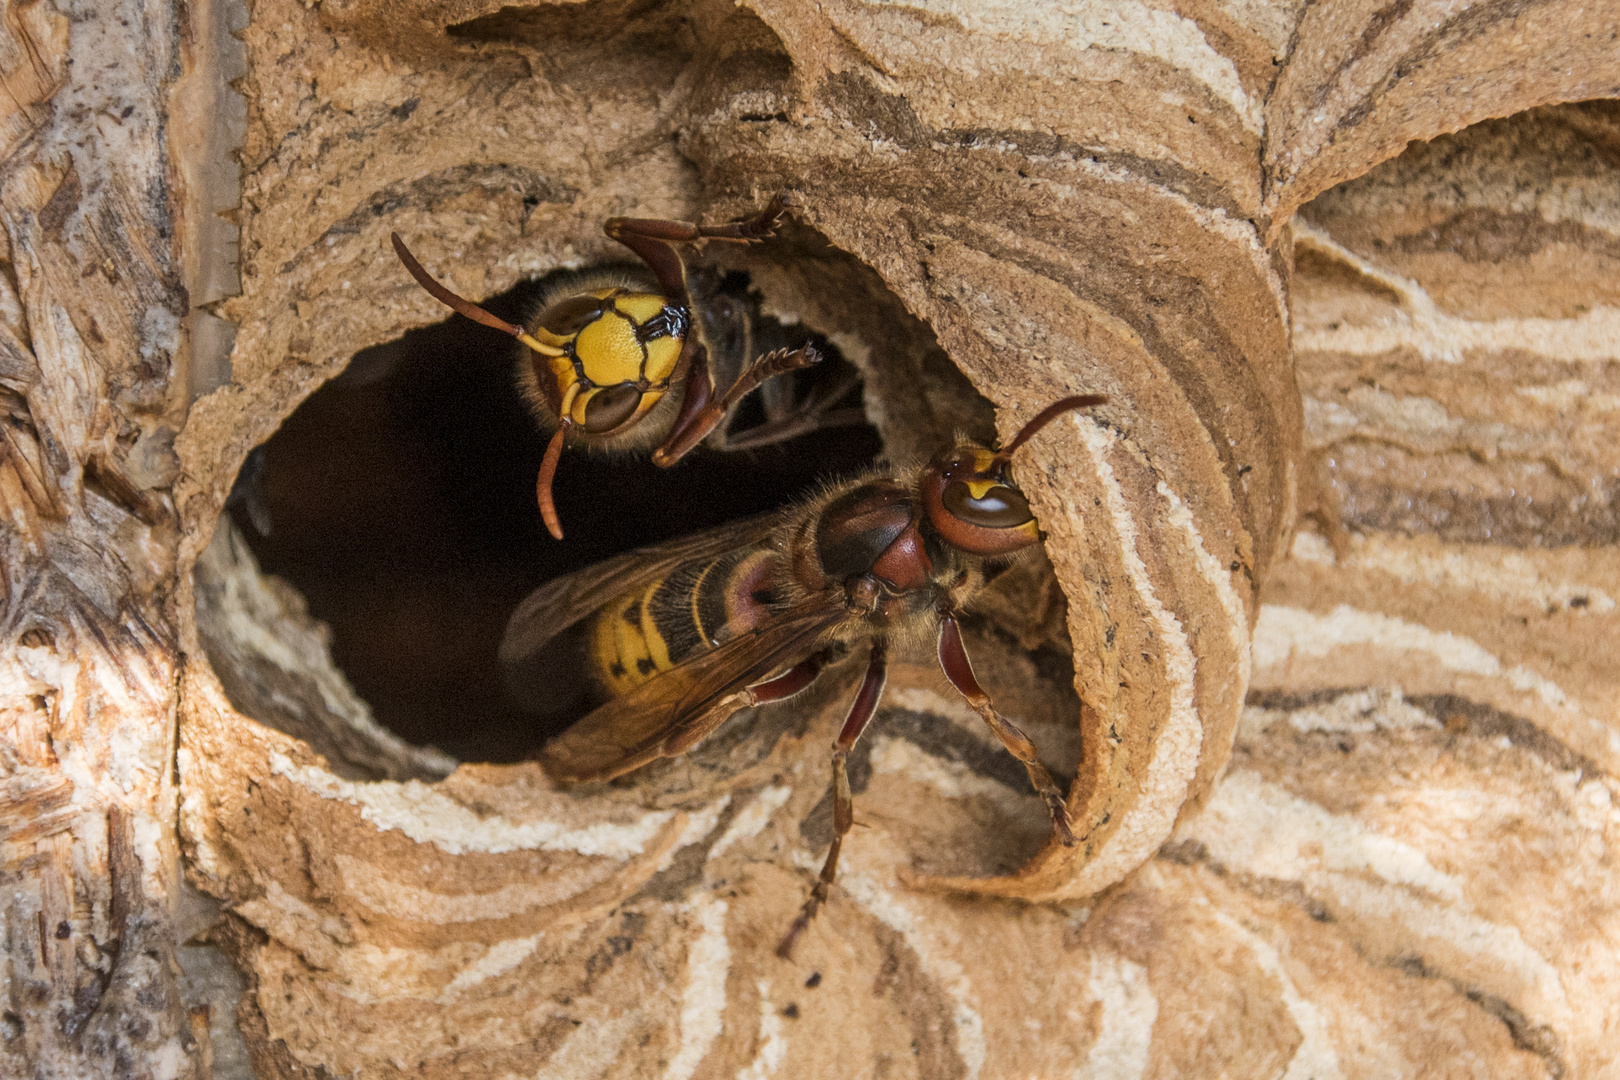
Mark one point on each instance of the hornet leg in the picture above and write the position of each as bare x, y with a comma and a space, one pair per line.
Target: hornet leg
954, 659
860, 714
788, 419
654, 241
790, 682
693, 426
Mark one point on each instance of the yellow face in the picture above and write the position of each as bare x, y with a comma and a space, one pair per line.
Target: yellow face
982, 460
619, 351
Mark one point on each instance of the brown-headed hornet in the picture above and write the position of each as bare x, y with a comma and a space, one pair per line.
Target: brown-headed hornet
663, 644
627, 360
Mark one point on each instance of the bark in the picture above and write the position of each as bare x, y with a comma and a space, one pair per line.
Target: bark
1405, 868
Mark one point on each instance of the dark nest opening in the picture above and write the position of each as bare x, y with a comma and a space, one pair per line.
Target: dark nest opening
399, 501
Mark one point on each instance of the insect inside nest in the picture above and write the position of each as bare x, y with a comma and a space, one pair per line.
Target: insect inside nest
663, 644
652, 356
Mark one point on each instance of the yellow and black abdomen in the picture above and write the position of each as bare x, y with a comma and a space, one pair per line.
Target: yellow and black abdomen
695, 607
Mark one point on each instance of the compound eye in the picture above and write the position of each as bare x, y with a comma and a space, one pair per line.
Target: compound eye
568, 317
996, 506
611, 406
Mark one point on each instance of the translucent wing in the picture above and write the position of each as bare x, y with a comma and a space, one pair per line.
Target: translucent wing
678, 708
559, 604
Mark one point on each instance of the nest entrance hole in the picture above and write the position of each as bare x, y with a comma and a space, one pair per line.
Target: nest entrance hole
399, 500
382, 537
